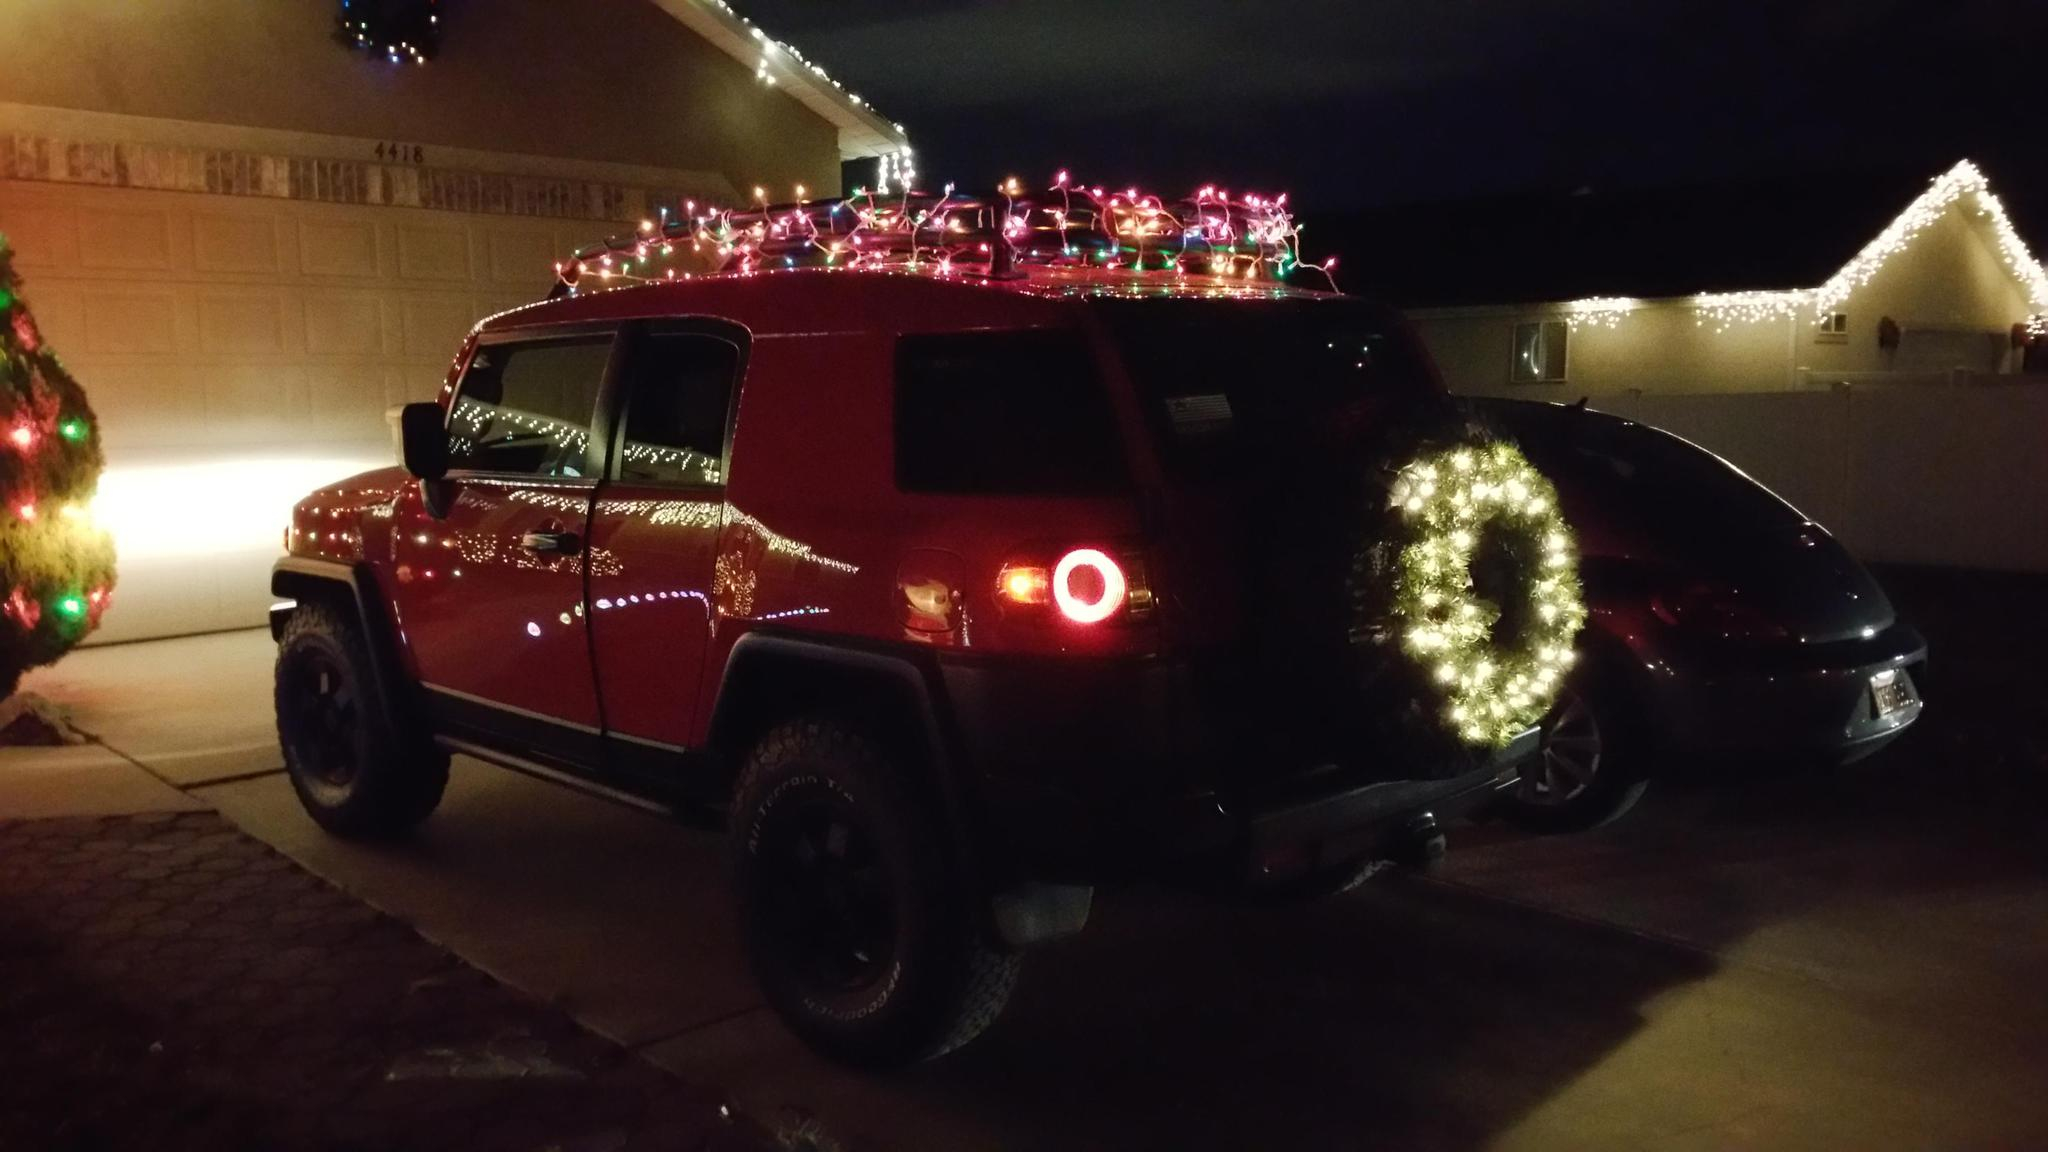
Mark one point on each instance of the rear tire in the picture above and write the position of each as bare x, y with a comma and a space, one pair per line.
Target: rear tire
1594, 764
856, 924
354, 772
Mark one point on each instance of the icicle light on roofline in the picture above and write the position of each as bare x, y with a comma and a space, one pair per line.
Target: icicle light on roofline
896, 166
1725, 310
1605, 311
1246, 236
1965, 179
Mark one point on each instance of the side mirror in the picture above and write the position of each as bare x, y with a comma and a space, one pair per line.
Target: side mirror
423, 440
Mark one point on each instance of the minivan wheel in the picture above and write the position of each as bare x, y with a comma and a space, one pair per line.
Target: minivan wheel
354, 774
1591, 768
855, 923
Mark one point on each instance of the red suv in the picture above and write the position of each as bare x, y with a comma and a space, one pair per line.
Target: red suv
957, 593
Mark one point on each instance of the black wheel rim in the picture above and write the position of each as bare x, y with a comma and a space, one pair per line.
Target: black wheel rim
321, 718
827, 896
1573, 748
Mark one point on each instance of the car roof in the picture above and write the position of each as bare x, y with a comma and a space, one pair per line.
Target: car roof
801, 299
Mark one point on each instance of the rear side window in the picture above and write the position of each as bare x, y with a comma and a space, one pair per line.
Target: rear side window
1240, 388
679, 393
525, 407
1018, 413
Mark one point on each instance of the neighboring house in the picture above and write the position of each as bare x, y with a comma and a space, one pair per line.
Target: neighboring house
1945, 291
249, 240
1875, 355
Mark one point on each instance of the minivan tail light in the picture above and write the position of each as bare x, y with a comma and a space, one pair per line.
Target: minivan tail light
1089, 586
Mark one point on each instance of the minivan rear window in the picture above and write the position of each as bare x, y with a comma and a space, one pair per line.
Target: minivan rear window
1018, 413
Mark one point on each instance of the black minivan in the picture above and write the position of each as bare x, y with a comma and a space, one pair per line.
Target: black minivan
1725, 624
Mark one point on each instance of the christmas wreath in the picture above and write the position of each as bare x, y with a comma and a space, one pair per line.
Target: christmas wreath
401, 30
1484, 596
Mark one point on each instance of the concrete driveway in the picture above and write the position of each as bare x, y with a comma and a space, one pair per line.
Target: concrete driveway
1834, 959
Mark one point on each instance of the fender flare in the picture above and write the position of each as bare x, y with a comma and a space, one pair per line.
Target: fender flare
351, 587
912, 682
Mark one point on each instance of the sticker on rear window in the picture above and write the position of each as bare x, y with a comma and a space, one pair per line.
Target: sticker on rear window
1196, 417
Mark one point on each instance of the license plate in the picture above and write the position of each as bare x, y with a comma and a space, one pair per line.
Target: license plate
1890, 691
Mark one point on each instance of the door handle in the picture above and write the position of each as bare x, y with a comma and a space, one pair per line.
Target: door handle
560, 543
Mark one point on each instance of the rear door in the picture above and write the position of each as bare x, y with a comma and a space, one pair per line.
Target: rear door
489, 582
654, 537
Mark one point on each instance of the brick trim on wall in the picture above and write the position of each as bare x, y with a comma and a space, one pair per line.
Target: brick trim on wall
231, 172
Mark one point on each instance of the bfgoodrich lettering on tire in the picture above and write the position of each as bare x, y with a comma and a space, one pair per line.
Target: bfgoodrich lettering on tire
856, 923
355, 774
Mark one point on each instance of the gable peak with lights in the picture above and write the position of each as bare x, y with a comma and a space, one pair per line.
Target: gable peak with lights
1965, 183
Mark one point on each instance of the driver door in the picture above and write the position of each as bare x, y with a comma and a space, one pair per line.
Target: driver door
490, 591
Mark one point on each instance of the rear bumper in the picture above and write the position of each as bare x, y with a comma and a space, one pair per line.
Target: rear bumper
1809, 705
1372, 820
1087, 773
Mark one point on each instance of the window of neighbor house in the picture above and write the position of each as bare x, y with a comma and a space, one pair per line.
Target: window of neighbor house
1540, 352
1832, 328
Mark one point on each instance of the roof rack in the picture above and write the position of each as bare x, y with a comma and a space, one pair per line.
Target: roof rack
1249, 236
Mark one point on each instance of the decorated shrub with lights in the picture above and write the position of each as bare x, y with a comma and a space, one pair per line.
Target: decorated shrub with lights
56, 566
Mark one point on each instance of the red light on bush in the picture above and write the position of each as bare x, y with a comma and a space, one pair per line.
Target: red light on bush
1088, 586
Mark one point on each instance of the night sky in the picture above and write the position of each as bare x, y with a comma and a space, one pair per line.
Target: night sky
1360, 103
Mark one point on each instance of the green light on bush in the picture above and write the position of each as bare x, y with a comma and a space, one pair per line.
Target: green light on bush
71, 607
72, 429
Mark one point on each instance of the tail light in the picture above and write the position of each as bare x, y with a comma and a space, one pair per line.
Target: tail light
1085, 586
1717, 610
1089, 586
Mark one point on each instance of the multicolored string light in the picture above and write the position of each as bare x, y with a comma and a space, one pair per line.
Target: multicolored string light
1211, 233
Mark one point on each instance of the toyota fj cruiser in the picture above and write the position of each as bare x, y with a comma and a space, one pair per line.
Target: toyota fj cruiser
958, 590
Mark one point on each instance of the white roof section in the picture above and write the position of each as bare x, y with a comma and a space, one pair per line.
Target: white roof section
863, 132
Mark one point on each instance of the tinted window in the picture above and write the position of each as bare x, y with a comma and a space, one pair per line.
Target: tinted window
1019, 413
681, 391
526, 407
1229, 383
1656, 482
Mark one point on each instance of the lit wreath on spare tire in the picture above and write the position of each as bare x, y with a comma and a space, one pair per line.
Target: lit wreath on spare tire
1474, 579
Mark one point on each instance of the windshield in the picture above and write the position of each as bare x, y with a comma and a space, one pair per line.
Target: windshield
1227, 382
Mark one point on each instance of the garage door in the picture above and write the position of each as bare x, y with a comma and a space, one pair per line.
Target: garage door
240, 351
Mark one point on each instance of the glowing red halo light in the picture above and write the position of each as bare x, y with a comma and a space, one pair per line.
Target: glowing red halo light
1081, 608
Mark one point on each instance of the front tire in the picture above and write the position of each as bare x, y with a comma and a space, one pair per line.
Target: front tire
858, 929
355, 774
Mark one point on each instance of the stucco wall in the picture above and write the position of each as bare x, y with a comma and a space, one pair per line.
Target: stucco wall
1952, 277
608, 80
1660, 347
